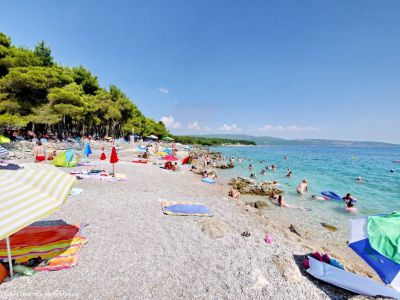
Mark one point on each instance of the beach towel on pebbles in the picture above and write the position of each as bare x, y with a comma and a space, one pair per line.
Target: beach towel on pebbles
116, 177
186, 209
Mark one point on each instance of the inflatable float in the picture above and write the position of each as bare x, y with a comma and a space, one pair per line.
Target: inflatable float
208, 180
331, 195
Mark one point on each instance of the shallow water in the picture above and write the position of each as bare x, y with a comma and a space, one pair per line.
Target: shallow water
326, 168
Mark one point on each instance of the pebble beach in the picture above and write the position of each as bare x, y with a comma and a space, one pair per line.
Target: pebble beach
134, 251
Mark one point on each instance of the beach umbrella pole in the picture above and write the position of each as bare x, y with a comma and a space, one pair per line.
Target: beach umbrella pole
9, 256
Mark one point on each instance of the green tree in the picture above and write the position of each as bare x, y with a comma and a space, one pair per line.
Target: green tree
44, 54
85, 78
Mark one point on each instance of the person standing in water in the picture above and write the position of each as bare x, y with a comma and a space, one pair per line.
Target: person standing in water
39, 152
302, 187
289, 173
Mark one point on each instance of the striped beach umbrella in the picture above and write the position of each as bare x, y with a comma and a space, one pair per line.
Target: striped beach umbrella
3, 152
30, 194
387, 268
4, 140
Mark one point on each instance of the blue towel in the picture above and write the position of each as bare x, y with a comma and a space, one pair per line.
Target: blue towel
186, 209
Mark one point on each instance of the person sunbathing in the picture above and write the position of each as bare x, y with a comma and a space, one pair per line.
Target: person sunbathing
282, 203
168, 166
234, 193
52, 155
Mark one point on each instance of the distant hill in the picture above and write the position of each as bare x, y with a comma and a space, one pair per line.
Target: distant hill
267, 140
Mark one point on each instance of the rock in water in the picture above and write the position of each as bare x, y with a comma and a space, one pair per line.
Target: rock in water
247, 185
329, 227
287, 267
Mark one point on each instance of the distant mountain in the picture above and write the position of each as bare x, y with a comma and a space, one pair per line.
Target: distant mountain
268, 140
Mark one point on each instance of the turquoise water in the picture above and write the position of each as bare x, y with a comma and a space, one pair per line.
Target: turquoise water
326, 168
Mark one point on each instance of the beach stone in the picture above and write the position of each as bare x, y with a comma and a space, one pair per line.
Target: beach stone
259, 280
287, 267
250, 186
258, 204
213, 228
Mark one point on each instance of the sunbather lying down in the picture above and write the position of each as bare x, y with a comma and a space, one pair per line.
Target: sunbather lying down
196, 170
281, 202
234, 193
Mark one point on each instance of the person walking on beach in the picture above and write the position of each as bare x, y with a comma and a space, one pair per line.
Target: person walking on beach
39, 152
302, 187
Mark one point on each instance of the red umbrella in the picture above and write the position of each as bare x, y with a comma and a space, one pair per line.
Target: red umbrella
170, 158
113, 157
102, 157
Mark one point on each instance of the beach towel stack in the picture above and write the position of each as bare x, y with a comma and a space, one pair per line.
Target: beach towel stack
58, 245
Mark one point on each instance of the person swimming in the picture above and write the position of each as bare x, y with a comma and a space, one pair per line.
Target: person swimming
302, 187
250, 167
315, 197
289, 173
350, 203
252, 175
359, 179
263, 172
349, 200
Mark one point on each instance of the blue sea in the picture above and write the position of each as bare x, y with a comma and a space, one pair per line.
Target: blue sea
326, 168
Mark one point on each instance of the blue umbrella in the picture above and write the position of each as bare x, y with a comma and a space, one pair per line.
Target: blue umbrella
87, 151
387, 269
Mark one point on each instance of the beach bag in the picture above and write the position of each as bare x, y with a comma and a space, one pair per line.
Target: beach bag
3, 273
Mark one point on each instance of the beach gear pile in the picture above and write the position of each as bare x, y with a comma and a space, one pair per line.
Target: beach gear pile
44, 248
26, 196
66, 158
98, 175
376, 239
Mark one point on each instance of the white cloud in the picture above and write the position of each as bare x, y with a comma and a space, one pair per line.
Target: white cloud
230, 128
194, 126
290, 128
169, 122
163, 90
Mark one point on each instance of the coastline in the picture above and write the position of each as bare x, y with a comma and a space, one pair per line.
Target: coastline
134, 249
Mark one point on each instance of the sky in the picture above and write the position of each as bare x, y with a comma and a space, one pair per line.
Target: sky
290, 69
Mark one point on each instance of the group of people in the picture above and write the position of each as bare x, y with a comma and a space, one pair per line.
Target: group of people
39, 153
302, 188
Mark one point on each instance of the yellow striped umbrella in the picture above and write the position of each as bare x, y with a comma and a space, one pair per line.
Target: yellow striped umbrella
30, 194
4, 140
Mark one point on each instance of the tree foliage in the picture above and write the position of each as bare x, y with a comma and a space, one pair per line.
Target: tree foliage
41, 95
207, 141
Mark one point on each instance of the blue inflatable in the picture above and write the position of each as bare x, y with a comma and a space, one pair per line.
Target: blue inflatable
208, 180
331, 195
